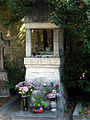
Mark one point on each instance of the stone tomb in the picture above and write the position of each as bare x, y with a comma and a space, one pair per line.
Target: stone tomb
4, 91
43, 69
44, 61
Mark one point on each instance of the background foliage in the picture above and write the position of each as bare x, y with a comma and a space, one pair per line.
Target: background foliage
72, 16
16, 10
16, 74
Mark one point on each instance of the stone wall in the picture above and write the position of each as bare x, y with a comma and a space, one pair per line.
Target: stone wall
40, 12
16, 34
13, 57
16, 51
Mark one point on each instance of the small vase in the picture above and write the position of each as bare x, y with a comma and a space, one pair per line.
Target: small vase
53, 106
25, 103
38, 110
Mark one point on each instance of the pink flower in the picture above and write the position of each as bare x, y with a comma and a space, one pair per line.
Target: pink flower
25, 89
58, 94
21, 83
17, 86
31, 83
50, 95
30, 86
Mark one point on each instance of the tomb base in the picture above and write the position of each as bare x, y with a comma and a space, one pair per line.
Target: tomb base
44, 71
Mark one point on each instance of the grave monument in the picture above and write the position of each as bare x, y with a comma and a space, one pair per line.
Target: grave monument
4, 91
44, 61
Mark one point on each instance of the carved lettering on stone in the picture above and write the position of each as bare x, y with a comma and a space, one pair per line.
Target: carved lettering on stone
54, 61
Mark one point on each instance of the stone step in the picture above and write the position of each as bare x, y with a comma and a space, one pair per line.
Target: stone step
8, 107
47, 115
5, 117
76, 113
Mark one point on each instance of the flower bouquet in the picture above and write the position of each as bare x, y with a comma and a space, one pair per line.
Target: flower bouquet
24, 88
52, 91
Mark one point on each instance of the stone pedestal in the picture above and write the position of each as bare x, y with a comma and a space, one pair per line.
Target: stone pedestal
42, 70
4, 91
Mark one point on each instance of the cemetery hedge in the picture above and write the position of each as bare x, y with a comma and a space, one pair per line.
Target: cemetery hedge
73, 17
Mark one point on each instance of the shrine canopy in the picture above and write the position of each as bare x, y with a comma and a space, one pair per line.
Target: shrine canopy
43, 38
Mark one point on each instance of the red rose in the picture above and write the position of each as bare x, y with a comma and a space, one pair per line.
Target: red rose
57, 85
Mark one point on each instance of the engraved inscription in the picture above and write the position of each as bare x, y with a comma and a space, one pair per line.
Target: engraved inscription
42, 61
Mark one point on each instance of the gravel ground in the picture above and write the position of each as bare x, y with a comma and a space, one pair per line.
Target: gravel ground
5, 100
85, 113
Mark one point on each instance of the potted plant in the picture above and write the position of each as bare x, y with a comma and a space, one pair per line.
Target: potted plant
38, 105
52, 92
25, 89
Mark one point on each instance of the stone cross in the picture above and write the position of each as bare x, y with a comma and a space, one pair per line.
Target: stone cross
3, 42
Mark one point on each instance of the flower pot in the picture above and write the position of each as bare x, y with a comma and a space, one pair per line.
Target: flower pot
25, 103
38, 110
53, 106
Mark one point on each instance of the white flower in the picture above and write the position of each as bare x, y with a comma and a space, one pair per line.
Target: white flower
44, 84
23, 92
58, 94
31, 90
20, 92
54, 91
